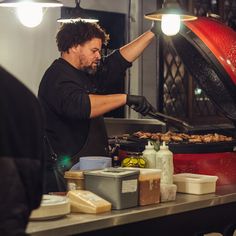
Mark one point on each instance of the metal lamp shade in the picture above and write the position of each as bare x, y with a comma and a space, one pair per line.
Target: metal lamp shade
157, 15
69, 14
170, 7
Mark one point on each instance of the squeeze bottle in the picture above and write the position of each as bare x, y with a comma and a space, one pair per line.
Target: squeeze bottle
150, 155
165, 158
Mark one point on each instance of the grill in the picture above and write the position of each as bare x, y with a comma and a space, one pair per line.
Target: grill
207, 48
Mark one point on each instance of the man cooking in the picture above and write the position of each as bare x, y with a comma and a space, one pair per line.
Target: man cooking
74, 96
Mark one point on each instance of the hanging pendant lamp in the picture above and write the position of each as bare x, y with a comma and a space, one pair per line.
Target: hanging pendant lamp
170, 16
69, 14
40, 3
30, 12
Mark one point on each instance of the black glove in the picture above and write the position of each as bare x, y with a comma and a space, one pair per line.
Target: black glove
155, 27
139, 104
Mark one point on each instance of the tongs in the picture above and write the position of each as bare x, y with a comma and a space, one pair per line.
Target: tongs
177, 123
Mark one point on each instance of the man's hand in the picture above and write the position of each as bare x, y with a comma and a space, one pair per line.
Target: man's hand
139, 104
155, 28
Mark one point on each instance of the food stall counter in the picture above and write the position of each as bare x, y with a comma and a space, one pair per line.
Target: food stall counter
215, 212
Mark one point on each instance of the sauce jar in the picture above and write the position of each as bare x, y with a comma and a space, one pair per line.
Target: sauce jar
134, 159
75, 180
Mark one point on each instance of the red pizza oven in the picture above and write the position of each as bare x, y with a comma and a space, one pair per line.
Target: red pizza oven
207, 47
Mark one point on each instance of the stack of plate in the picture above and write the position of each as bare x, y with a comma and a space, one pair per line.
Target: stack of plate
51, 207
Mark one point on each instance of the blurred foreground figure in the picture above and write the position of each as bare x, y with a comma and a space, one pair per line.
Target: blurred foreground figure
21, 155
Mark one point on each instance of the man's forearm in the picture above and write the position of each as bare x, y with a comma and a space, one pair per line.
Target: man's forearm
101, 104
132, 50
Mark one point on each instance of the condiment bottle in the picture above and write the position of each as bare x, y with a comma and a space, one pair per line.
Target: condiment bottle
150, 155
158, 160
116, 161
166, 157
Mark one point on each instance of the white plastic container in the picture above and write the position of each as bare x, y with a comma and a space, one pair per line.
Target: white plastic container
168, 192
87, 202
166, 157
150, 155
195, 183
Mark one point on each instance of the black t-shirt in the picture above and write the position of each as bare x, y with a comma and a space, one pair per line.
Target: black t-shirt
21, 154
63, 93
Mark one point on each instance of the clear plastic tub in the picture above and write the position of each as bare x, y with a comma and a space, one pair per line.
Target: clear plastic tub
149, 185
195, 183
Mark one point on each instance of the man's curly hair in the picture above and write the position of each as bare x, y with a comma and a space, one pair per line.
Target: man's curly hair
75, 33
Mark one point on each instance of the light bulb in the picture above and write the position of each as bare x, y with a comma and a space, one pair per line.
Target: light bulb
30, 15
170, 24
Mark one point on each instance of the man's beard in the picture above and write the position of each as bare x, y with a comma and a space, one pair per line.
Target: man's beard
89, 70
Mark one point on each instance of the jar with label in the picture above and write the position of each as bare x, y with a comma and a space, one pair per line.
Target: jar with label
134, 159
75, 180
150, 155
167, 167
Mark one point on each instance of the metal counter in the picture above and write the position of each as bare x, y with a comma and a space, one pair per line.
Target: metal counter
185, 205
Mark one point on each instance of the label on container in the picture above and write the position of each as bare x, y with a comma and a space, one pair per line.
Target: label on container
71, 186
129, 186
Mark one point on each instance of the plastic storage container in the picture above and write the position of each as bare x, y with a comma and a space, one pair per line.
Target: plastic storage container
149, 186
168, 192
195, 183
75, 180
87, 202
118, 186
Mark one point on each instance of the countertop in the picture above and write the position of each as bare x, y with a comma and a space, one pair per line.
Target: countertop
80, 223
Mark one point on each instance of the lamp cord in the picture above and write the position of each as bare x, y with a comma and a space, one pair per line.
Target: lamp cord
128, 39
77, 3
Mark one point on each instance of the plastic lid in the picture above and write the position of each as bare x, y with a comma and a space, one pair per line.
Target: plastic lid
164, 146
210, 53
112, 172
149, 146
74, 175
194, 178
53, 200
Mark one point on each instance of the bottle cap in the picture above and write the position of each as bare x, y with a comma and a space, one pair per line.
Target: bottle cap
149, 146
164, 146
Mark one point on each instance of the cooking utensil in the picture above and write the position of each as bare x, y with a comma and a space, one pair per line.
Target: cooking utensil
177, 123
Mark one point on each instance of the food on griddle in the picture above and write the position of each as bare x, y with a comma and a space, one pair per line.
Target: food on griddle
166, 138
141, 134
182, 137
176, 138
195, 140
